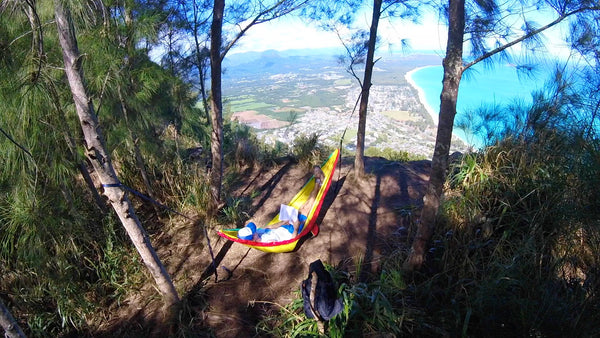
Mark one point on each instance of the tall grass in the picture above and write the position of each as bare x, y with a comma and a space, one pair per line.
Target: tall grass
392, 154
370, 309
515, 251
516, 254
55, 272
508, 257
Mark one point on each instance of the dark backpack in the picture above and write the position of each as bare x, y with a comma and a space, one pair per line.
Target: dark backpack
319, 293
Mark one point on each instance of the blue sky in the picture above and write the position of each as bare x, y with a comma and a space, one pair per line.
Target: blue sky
429, 35
295, 33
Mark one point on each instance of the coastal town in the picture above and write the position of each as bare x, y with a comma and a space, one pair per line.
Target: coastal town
396, 120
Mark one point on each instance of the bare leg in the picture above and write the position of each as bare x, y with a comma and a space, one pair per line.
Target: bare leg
305, 208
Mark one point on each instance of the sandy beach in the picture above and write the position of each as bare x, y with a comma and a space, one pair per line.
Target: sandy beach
432, 112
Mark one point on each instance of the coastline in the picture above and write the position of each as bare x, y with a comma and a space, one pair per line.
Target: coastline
408, 76
432, 112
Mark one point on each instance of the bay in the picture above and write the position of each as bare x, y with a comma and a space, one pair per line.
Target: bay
480, 86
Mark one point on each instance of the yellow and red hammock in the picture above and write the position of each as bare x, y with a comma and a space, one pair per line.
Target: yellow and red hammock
301, 197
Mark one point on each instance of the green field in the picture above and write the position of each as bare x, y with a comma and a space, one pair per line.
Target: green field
246, 102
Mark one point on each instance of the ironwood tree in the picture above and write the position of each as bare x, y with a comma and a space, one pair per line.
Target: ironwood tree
360, 49
476, 22
216, 102
359, 159
244, 15
195, 18
42, 146
99, 157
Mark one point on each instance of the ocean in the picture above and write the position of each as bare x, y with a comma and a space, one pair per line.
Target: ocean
480, 86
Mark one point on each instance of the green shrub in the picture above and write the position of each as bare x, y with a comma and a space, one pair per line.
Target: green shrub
392, 154
517, 250
307, 150
377, 308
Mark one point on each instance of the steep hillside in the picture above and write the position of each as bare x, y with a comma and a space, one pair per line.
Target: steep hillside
359, 223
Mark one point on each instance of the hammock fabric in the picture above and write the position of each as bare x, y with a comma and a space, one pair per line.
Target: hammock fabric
302, 196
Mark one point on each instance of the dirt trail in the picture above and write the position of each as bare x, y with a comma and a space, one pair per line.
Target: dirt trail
358, 222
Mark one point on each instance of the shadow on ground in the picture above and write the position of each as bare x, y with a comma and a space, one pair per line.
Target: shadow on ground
359, 222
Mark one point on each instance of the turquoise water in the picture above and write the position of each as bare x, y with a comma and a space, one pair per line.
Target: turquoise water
480, 86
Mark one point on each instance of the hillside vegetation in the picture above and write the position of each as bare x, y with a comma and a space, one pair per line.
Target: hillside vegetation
515, 252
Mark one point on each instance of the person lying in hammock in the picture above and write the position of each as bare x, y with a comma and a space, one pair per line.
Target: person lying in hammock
291, 219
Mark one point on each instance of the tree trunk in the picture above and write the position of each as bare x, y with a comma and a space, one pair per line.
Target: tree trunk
359, 159
83, 169
202, 66
216, 140
9, 324
453, 68
85, 173
100, 159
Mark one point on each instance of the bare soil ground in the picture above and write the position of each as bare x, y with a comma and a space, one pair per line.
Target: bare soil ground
259, 121
358, 222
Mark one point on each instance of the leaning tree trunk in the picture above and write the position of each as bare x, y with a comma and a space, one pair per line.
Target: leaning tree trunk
83, 169
216, 140
359, 159
9, 324
100, 159
453, 68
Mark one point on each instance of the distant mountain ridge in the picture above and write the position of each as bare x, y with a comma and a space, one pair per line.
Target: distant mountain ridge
275, 62
271, 61
245, 57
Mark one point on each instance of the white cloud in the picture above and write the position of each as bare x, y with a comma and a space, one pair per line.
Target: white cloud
428, 35
295, 33
284, 34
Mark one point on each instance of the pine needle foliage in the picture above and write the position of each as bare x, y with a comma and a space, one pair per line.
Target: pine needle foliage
64, 263
518, 251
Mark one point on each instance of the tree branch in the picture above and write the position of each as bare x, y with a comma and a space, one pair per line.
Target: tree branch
8, 322
350, 69
528, 35
259, 19
15, 142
